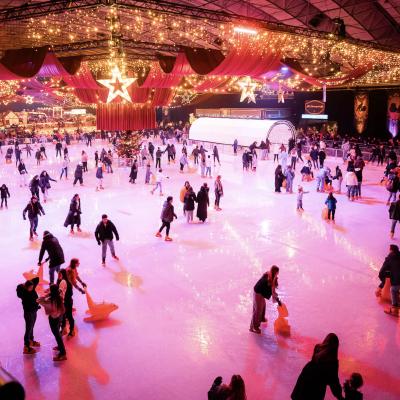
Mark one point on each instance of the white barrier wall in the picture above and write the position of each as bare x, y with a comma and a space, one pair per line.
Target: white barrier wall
246, 131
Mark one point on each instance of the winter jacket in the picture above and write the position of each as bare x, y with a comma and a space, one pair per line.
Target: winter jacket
189, 200
134, 171
44, 182
4, 192
315, 376
51, 308
203, 202
391, 269
22, 169
78, 171
218, 188
331, 203
106, 232
74, 214
167, 213
393, 183
263, 287
29, 298
33, 210
54, 251
99, 172
350, 179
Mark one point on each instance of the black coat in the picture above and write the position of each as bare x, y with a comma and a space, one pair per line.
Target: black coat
29, 297
391, 269
4, 192
106, 232
189, 200
79, 171
44, 182
315, 377
263, 287
134, 171
203, 202
167, 213
54, 250
33, 210
74, 214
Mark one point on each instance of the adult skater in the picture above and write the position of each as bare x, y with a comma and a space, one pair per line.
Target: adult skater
38, 156
339, 177
195, 154
73, 276
203, 202
265, 288
4, 194
78, 175
182, 162
151, 150
104, 235
54, 308
22, 173
34, 186
99, 177
167, 216
279, 177
44, 183
58, 149
158, 158
27, 293
182, 194
216, 155
134, 172
219, 192
159, 179
321, 157
148, 173
289, 175
84, 160
351, 182
34, 209
235, 146
391, 269
208, 166
64, 168
189, 204
74, 214
331, 204
293, 158
51, 245
320, 372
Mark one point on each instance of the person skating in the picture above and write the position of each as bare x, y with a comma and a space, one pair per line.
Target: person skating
96, 158
151, 150
99, 177
279, 177
64, 168
167, 216
182, 194
331, 204
34, 209
159, 153
54, 308
339, 177
51, 245
74, 214
78, 175
351, 387
159, 179
73, 275
216, 155
34, 186
44, 183
104, 235
300, 193
289, 175
203, 202
394, 215
27, 293
182, 162
58, 149
195, 154
391, 269
84, 160
134, 172
38, 156
320, 372
219, 192
22, 173
148, 173
4, 194
235, 146
189, 204
265, 288
351, 182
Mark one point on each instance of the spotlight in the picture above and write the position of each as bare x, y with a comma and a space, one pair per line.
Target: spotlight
240, 29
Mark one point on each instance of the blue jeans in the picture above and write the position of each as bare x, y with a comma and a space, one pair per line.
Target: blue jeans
56, 268
158, 185
208, 171
104, 244
55, 324
30, 319
320, 183
395, 291
33, 225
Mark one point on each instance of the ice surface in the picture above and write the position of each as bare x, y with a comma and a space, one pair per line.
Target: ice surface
185, 307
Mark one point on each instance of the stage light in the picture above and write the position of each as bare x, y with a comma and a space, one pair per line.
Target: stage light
239, 29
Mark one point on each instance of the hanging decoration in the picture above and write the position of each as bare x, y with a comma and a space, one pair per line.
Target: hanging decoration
117, 85
393, 113
324, 92
248, 87
28, 99
361, 103
281, 94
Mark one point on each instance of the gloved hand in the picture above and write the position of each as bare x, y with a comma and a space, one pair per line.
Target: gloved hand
98, 242
84, 284
279, 302
82, 291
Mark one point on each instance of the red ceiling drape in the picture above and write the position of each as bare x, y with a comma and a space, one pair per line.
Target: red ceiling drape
122, 116
53, 66
82, 80
157, 78
162, 97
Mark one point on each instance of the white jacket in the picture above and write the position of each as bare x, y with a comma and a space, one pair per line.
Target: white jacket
350, 179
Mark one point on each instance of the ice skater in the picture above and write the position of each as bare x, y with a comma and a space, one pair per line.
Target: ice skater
159, 180
4, 194
203, 203
167, 216
74, 214
44, 183
27, 293
189, 204
219, 192
331, 204
265, 288
104, 235
34, 209
54, 308
78, 175
64, 168
216, 155
339, 177
99, 177
351, 387
300, 193
148, 173
34, 186
51, 245
289, 175
22, 173
134, 172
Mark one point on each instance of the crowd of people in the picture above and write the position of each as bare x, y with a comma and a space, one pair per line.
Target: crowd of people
57, 301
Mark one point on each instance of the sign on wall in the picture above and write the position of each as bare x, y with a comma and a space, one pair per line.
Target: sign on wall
361, 103
393, 113
314, 107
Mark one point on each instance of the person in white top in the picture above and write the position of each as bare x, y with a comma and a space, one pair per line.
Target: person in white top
159, 179
208, 166
351, 182
64, 168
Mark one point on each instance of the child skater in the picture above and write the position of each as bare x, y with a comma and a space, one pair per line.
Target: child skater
4, 192
351, 387
148, 173
300, 192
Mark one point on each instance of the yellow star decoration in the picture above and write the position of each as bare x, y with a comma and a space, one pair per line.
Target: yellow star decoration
29, 99
117, 85
248, 88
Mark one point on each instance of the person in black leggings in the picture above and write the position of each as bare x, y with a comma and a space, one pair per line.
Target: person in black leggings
167, 216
